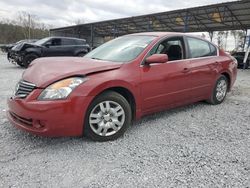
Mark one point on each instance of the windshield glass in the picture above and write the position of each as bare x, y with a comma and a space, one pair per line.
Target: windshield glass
42, 41
122, 49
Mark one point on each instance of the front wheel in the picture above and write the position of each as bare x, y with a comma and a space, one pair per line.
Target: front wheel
108, 117
19, 63
28, 59
220, 90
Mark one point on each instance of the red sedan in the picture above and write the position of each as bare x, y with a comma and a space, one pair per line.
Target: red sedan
122, 80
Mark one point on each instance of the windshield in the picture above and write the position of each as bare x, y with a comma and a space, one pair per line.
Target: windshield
20, 41
42, 41
122, 49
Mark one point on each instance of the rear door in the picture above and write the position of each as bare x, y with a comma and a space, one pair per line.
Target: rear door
203, 63
53, 48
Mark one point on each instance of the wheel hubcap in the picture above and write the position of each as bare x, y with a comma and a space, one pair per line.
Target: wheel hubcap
107, 118
221, 90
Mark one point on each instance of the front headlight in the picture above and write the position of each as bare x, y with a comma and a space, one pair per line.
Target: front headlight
61, 89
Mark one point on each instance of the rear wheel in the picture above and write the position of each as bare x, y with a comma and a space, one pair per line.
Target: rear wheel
108, 117
219, 91
28, 59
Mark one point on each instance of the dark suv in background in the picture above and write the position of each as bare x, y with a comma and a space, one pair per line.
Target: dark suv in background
240, 58
23, 54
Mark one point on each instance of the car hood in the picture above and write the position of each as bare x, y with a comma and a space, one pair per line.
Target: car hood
23, 45
44, 71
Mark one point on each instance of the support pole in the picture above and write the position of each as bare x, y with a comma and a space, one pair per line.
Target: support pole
245, 40
114, 31
79, 32
149, 24
186, 22
246, 53
92, 36
246, 58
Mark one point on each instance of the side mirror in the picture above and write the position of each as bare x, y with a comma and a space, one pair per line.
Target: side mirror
47, 45
156, 58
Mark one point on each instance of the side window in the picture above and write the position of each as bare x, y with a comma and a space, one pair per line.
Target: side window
80, 42
56, 42
213, 50
68, 42
200, 48
48, 43
172, 47
160, 49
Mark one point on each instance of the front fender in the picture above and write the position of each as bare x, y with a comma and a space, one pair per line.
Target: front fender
117, 78
87, 90
36, 51
83, 50
94, 86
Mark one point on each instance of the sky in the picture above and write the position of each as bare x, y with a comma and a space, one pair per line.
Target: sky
59, 13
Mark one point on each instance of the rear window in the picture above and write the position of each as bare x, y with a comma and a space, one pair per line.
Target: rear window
80, 42
200, 48
68, 42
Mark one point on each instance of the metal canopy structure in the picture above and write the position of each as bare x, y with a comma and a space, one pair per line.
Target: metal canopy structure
218, 17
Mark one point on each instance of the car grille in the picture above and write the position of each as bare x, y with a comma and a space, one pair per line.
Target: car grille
23, 89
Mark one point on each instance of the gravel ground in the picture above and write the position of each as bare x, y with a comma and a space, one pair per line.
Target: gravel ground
199, 145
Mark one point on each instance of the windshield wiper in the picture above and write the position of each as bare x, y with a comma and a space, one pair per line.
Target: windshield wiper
96, 58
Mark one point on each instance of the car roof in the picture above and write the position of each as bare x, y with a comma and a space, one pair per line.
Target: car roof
67, 38
169, 34
158, 34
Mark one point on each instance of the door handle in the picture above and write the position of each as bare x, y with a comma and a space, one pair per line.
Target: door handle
186, 70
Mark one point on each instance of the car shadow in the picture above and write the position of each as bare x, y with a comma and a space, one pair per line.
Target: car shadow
167, 113
13, 67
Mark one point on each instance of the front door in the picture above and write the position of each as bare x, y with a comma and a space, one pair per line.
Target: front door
165, 85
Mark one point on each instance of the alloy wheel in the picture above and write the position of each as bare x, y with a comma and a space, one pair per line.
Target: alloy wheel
221, 90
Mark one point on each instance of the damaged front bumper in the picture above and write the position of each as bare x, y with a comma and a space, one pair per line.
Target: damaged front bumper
15, 57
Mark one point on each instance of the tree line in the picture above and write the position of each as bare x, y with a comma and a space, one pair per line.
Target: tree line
24, 26
238, 37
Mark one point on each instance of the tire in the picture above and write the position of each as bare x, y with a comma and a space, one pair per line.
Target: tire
81, 54
220, 91
28, 59
109, 122
246, 66
19, 63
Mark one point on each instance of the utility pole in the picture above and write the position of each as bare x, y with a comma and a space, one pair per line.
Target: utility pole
226, 40
29, 24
